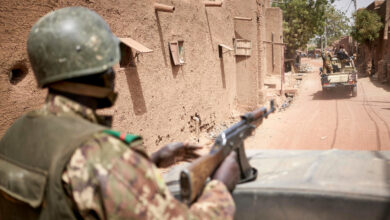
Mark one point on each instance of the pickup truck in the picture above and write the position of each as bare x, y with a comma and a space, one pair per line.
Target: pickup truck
344, 75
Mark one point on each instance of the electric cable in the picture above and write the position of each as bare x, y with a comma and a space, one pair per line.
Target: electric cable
348, 7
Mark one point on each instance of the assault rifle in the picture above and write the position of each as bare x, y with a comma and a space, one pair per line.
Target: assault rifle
193, 178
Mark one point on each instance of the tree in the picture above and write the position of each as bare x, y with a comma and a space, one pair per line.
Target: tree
302, 20
337, 24
367, 26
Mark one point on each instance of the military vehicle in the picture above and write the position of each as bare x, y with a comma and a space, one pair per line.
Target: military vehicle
311, 184
344, 76
293, 184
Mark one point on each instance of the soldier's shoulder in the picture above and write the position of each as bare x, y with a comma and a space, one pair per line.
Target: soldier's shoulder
124, 137
111, 144
135, 142
112, 137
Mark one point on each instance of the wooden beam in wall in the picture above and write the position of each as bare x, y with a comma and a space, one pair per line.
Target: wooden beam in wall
164, 8
213, 3
243, 18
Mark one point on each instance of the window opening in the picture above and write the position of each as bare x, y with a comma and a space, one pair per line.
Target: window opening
242, 47
130, 49
176, 49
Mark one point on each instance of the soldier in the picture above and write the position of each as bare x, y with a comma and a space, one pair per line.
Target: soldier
326, 59
61, 162
343, 56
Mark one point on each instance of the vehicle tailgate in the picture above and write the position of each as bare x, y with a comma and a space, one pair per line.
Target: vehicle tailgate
338, 78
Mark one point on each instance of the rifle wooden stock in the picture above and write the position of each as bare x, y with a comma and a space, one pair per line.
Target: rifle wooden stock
193, 178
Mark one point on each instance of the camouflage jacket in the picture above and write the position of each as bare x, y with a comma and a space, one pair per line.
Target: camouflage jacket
108, 179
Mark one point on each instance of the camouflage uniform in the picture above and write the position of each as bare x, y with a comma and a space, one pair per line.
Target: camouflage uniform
108, 179
327, 62
344, 58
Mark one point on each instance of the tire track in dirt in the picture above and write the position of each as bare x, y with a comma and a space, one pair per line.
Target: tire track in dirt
385, 122
337, 126
378, 139
380, 118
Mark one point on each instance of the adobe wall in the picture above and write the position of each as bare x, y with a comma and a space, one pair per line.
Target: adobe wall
246, 66
376, 56
364, 60
274, 24
261, 36
382, 48
157, 100
16, 19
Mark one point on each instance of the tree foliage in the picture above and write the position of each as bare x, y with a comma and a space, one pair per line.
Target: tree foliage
303, 19
337, 24
367, 26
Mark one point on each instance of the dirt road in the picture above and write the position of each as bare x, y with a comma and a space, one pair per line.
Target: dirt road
335, 120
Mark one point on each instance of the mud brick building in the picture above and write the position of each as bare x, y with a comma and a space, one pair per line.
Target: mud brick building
201, 60
375, 58
274, 40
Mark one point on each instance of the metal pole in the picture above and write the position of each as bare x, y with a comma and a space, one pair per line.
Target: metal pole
386, 29
354, 4
282, 77
326, 34
273, 53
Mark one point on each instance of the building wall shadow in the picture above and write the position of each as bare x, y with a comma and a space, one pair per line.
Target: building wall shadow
175, 70
135, 88
161, 38
223, 76
237, 35
240, 59
380, 85
338, 93
208, 25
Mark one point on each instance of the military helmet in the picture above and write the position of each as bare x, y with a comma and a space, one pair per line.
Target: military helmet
71, 42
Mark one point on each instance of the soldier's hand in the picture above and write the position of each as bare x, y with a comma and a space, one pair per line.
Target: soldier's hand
228, 172
175, 152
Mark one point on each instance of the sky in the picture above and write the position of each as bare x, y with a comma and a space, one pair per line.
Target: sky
347, 6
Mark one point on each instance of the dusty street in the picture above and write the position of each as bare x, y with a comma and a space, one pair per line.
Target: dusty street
325, 121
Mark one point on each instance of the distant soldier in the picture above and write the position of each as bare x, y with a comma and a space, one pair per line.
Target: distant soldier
343, 56
327, 59
62, 162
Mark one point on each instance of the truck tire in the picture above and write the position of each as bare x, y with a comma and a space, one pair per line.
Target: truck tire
354, 91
